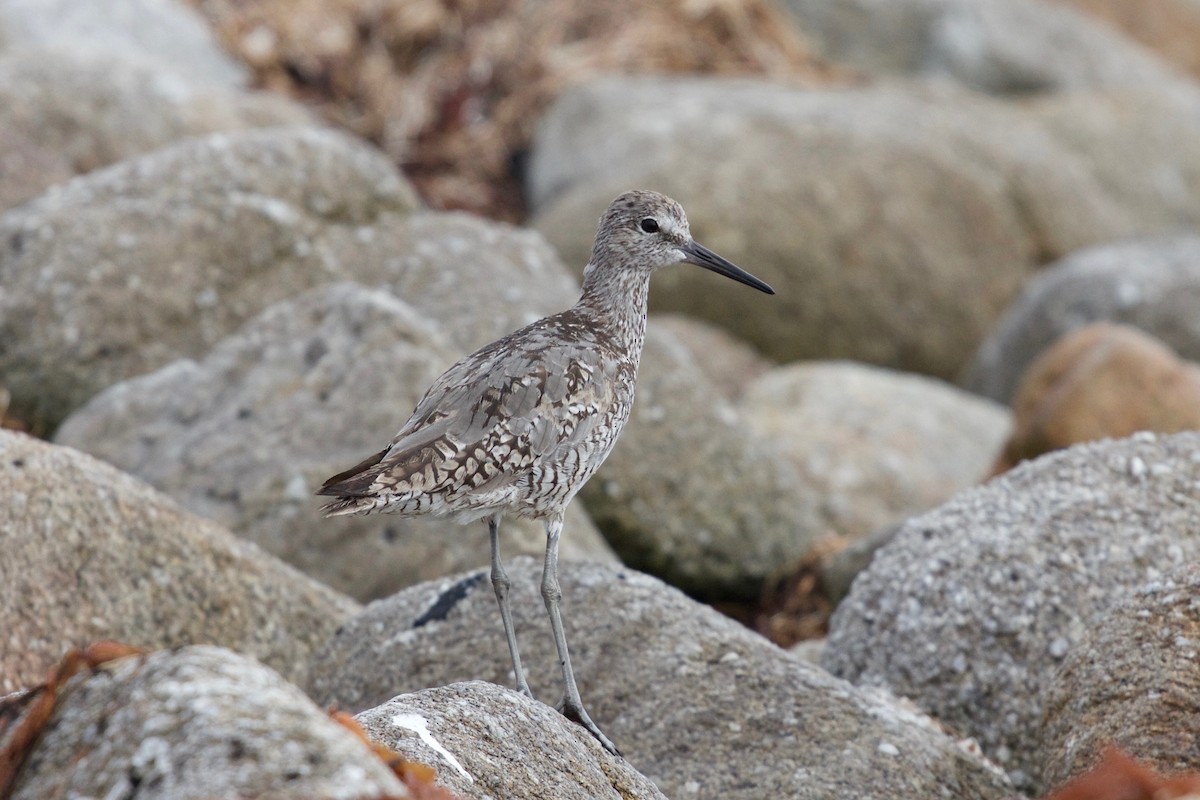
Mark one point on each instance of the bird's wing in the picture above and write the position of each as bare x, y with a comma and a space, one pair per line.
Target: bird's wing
485, 422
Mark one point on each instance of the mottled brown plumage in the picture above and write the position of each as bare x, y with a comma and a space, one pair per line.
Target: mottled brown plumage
520, 425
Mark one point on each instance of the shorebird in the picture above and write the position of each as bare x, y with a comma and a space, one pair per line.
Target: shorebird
520, 425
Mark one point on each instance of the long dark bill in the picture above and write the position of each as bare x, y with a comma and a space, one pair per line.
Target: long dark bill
701, 256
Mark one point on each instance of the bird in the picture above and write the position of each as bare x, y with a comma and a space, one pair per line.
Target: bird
520, 425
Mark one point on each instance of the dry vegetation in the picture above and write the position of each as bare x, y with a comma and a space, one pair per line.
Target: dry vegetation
452, 89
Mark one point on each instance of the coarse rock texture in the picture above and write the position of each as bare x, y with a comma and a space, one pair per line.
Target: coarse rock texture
198, 722
92, 553
1098, 382
165, 31
1151, 283
1132, 682
1001, 46
971, 607
922, 212
728, 363
697, 703
1168, 27
89, 109
454, 90
247, 434
487, 742
121, 270
690, 494
874, 446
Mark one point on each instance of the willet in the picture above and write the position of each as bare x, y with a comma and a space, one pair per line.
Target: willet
520, 425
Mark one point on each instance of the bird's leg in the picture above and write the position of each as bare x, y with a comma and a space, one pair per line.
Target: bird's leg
501, 584
571, 705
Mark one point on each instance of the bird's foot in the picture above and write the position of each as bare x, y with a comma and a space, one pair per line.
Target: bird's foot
524, 689
575, 713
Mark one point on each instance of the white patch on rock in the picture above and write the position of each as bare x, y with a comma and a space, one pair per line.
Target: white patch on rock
420, 726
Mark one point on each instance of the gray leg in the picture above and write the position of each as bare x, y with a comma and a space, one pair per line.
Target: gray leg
572, 705
501, 584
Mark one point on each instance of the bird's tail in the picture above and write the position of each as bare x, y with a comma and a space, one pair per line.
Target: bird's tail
345, 506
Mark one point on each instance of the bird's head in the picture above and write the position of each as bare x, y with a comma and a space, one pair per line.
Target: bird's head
643, 230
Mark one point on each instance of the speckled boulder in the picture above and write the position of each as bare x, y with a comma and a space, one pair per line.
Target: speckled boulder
690, 493
1004, 46
248, 433
1133, 682
487, 742
972, 607
697, 703
91, 109
1152, 284
168, 33
874, 446
1098, 382
92, 553
202, 723
916, 203
124, 269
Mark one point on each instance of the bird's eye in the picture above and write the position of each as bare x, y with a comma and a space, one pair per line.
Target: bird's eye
650, 225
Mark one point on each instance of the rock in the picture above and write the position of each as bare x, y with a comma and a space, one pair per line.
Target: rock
728, 363
1141, 146
246, 435
127, 268
480, 280
1132, 682
489, 742
839, 570
1101, 381
86, 109
92, 553
165, 31
1168, 27
689, 493
198, 722
874, 447
27, 166
1003, 46
698, 704
972, 606
1152, 284
922, 203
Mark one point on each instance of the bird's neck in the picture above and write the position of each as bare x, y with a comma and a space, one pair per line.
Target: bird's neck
617, 300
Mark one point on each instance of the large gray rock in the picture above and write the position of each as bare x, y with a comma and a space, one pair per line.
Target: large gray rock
165, 31
700, 705
727, 362
690, 494
198, 722
1142, 145
121, 270
1133, 682
480, 280
971, 608
1152, 284
92, 109
874, 447
467, 730
1005, 46
92, 553
27, 167
922, 203
248, 433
